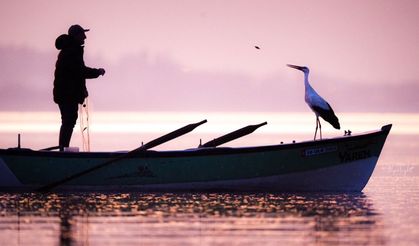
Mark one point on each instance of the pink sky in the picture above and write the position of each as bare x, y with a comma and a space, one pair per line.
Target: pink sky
371, 43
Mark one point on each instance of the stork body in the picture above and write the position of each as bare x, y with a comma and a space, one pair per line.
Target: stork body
317, 104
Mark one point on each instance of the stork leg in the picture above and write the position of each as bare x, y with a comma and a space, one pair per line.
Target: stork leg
317, 126
320, 126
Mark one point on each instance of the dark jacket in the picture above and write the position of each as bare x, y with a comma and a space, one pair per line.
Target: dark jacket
70, 72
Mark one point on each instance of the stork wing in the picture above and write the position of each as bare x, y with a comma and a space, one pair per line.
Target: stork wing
328, 115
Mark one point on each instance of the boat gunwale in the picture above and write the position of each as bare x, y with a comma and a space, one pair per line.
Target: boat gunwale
195, 151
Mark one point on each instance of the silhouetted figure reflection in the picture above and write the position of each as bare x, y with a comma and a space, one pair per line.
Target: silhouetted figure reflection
65, 228
70, 79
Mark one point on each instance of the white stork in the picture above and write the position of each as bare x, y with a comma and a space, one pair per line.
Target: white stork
317, 104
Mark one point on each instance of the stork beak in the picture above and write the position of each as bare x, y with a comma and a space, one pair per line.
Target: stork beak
295, 66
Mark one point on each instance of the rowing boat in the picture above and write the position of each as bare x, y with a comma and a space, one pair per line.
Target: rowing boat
336, 164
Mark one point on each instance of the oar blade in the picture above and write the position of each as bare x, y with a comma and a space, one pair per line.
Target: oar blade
232, 135
171, 135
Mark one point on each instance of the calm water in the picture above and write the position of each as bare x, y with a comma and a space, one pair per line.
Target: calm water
385, 213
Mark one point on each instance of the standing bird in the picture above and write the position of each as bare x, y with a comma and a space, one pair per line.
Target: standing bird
319, 106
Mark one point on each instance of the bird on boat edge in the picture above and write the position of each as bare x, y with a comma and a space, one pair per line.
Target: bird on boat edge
318, 105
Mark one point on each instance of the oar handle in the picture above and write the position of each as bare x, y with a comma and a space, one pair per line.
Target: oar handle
177, 133
232, 135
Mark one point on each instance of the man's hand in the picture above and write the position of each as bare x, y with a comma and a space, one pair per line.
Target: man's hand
101, 71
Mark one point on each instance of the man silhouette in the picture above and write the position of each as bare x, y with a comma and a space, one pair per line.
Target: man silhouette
70, 79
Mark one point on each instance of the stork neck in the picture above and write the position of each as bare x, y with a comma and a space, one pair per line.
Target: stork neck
306, 83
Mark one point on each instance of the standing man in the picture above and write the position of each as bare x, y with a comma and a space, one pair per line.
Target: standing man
70, 79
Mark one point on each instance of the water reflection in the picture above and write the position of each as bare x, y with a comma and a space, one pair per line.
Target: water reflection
188, 219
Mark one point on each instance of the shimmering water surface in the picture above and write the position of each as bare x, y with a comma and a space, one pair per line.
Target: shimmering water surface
191, 219
385, 213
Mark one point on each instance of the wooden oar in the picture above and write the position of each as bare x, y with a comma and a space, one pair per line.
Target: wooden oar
165, 138
232, 135
50, 148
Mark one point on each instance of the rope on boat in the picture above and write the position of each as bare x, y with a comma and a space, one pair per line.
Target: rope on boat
84, 125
